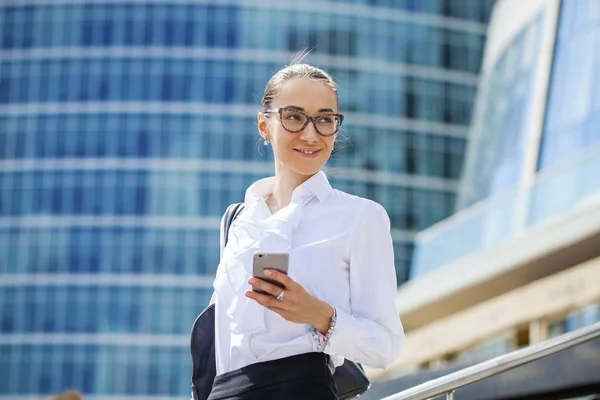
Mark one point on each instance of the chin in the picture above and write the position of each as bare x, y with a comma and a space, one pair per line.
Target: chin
308, 171
305, 167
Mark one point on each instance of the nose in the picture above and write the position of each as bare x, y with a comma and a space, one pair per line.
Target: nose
309, 134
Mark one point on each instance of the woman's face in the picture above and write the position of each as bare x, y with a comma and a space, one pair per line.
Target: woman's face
292, 150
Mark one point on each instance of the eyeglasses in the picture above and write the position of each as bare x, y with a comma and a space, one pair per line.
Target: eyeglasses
294, 121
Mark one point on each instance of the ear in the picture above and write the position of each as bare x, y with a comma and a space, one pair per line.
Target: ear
262, 126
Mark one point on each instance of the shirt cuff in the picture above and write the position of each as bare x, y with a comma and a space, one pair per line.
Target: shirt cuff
315, 345
345, 336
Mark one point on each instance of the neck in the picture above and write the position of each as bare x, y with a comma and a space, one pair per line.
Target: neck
285, 183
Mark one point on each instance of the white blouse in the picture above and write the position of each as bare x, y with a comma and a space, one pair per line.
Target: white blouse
340, 249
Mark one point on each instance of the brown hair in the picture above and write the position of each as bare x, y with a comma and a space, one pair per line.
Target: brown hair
68, 395
296, 69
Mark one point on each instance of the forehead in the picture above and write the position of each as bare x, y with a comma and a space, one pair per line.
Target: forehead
307, 93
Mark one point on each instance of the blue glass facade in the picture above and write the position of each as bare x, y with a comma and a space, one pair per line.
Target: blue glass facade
126, 128
572, 119
500, 126
560, 144
573, 110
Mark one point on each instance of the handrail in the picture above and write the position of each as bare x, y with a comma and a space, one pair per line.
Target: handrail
449, 383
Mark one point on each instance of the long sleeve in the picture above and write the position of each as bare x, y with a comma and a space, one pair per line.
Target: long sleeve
372, 333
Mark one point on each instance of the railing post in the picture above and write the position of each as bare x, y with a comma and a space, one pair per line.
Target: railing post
450, 395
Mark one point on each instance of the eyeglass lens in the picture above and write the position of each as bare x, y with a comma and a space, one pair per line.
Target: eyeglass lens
295, 121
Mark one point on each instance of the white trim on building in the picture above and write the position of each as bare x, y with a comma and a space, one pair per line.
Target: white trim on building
101, 339
236, 110
240, 55
186, 165
142, 280
329, 7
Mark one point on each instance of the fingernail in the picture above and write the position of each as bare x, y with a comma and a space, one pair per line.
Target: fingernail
268, 272
252, 281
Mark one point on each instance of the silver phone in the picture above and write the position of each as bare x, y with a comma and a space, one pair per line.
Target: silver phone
269, 260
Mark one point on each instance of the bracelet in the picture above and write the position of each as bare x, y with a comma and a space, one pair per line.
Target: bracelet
321, 339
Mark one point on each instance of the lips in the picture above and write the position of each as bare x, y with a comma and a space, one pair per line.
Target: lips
308, 153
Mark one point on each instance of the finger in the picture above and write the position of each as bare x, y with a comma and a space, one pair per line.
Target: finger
280, 277
263, 285
266, 300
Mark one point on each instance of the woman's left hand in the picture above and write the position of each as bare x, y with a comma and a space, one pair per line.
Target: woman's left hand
297, 305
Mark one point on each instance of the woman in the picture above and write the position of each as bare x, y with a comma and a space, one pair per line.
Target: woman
340, 290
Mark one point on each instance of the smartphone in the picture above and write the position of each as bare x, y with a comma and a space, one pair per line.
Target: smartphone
269, 260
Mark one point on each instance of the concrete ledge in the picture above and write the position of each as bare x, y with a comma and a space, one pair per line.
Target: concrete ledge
550, 297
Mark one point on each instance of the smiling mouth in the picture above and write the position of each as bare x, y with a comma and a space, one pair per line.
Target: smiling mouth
309, 152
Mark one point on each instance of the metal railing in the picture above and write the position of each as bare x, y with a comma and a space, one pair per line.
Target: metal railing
449, 383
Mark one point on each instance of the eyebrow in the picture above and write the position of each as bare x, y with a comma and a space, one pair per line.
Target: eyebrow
302, 109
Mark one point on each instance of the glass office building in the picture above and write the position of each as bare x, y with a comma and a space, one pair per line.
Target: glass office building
510, 267
573, 110
126, 128
534, 145
501, 135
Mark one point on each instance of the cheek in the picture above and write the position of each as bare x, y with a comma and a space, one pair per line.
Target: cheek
282, 141
285, 137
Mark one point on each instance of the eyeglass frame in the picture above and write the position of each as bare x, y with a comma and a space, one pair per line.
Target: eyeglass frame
280, 110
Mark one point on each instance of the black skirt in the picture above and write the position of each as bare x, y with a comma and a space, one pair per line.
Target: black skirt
304, 376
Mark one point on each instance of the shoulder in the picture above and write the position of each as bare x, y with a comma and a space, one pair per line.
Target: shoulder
360, 207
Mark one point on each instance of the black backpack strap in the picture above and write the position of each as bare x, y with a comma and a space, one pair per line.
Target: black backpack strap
230, 214
202, 341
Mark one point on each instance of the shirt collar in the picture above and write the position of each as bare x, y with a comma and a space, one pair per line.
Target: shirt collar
317, 185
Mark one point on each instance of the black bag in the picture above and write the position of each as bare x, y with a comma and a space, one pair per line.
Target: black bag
350, 378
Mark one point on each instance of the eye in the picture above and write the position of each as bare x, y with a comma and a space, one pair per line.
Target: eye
326, 119
292, 115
